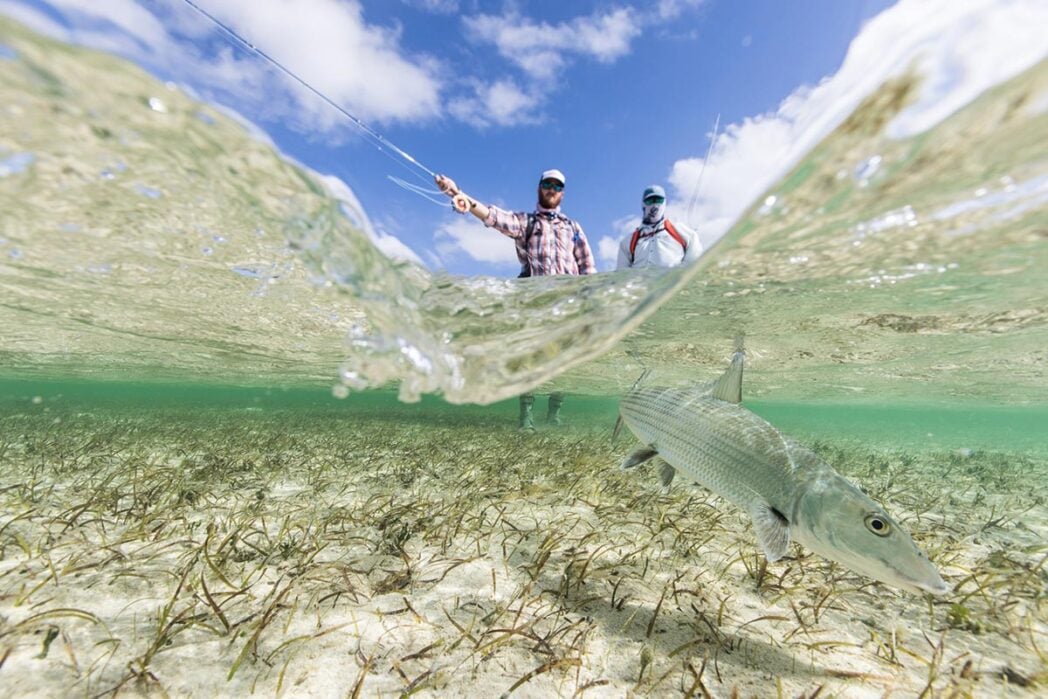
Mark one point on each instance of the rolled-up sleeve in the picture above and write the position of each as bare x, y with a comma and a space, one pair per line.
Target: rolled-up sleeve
583, 254
508, 223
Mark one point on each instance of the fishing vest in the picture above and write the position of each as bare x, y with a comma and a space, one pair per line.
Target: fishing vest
669, 229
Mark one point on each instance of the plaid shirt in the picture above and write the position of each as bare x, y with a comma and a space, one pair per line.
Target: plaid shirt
556, 245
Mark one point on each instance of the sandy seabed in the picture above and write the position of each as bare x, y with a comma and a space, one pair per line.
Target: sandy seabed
230, 553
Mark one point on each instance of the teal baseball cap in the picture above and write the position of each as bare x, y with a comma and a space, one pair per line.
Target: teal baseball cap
653, 191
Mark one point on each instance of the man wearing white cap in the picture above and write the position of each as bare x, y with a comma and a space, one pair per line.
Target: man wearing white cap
548, 242
658, 242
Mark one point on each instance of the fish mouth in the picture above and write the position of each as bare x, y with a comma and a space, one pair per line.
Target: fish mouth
938, 587
917, 577
932, 585
925, 579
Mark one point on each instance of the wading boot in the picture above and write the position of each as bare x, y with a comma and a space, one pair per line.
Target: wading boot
553, 416
527, 423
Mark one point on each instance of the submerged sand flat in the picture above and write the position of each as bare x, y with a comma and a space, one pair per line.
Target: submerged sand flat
313, 553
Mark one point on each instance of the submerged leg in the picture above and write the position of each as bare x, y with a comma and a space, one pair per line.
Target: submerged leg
553, 416
526, 421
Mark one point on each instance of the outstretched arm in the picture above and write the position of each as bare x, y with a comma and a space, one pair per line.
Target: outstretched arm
461, 201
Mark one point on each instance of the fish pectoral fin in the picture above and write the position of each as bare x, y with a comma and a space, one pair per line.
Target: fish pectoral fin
639, 456
773, 531
666, 474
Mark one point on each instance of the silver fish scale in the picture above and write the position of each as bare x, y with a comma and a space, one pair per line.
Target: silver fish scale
718, 444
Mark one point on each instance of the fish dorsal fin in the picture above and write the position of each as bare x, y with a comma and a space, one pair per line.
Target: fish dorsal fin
729, 386
773, 530
639, 456
618, 420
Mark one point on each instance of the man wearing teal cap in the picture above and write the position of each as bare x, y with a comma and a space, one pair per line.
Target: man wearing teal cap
658, 242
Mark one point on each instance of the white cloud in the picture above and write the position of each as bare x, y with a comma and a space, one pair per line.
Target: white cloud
125, 27
671, 9
389, 244
608, 252
501, 103
998, 43
35, 20
541, 49
626, 224
960, 48
608, 246
327, 43
394, 248
467, 234
127, 16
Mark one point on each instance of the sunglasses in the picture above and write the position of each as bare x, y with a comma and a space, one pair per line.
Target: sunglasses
655, 200
551, 184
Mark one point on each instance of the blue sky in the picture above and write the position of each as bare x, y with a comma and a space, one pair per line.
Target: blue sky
616, 94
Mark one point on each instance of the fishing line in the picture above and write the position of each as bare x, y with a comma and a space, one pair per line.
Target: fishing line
698, 183
379, 141
421, 191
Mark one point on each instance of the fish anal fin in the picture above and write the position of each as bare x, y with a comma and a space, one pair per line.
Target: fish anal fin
639, 456
773, 531
666, 474
729, 386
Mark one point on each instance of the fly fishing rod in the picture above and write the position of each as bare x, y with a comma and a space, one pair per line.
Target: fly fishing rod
378, 140
705, 162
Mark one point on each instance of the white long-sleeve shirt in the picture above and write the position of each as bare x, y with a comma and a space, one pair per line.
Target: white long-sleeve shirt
659, 249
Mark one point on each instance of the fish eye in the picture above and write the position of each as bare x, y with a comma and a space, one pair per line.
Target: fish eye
878, 525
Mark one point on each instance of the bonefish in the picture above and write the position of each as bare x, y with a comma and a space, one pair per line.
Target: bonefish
790, 493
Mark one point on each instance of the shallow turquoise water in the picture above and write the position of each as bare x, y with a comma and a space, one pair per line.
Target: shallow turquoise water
896, 427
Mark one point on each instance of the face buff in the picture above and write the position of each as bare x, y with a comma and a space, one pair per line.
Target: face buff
653, 213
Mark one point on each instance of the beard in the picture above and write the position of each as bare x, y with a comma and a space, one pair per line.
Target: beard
549, 199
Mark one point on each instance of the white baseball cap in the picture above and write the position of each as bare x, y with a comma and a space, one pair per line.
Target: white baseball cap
553, 175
